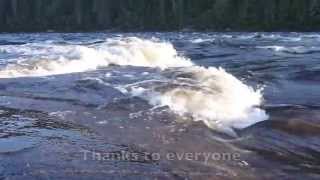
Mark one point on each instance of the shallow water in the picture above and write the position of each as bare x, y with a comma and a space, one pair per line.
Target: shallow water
160, 105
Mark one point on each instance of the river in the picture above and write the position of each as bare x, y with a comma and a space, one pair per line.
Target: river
160, 105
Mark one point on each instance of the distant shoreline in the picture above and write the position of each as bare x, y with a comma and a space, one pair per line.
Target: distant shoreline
161, 31
159, 15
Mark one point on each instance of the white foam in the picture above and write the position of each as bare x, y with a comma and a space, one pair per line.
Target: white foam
275, 48
210, 95
247, 36
292, 39
294, 49
200, 40
75, 58
213, 96
227, 36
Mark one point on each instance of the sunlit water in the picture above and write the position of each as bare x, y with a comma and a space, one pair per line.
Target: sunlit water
167, 100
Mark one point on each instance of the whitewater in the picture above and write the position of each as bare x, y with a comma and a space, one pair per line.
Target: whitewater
251, 97
210, 95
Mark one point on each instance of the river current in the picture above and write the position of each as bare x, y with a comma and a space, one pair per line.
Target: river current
160, 106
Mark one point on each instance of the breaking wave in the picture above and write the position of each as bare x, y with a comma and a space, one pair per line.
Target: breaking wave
210, 95
61, 59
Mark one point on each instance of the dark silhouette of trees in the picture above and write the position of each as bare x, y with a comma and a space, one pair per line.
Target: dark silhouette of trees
71, 15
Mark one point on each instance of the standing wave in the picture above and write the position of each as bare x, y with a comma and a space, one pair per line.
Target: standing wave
210, 95
76, 58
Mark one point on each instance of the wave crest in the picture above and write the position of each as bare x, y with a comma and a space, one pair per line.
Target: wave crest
75, 58
210, 95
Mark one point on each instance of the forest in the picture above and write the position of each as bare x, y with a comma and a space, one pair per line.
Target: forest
159, 15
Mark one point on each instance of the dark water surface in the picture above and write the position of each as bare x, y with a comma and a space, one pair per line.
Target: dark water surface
148, 106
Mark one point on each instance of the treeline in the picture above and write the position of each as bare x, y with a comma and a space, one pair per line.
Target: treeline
139, 15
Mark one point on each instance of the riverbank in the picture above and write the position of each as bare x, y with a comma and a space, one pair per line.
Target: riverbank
154, 15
